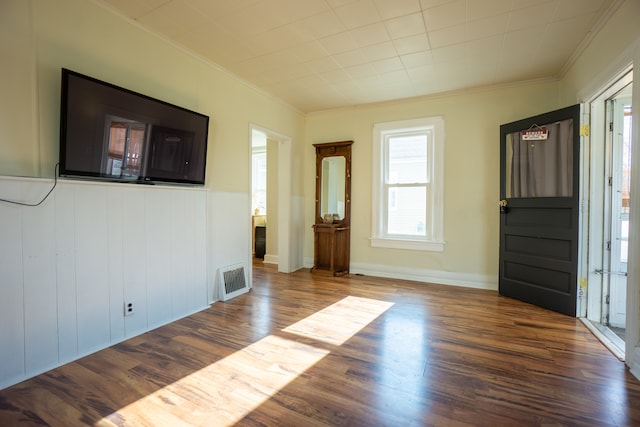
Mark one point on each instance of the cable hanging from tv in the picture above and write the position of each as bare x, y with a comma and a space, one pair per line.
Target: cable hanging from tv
32, 205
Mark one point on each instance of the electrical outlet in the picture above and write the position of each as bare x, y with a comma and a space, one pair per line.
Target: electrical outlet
128, 308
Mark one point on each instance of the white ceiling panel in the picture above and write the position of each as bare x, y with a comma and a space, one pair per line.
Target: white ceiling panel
393, 9
351, 58
339, 43
319, 54
405, 26
384, 66
446, 15
295, 10
417, 59
488, 26
322, 65
448, 36
384, 50
370, 34
452, 53
536, 16
362, 12
485, 9
412, 44
321, 25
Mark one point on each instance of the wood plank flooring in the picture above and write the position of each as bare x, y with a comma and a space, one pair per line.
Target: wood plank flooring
302, 350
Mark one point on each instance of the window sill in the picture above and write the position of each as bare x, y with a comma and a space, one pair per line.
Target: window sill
414, 245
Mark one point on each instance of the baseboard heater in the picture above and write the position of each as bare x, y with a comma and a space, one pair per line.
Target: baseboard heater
233, 281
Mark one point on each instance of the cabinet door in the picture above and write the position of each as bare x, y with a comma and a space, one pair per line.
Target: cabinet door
331, 251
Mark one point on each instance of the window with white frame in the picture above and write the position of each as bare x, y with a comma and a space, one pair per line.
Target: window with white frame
408, 185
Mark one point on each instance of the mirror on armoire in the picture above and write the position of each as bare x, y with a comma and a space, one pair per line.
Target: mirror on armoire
332, 228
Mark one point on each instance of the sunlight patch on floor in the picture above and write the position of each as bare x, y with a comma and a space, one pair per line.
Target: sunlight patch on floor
225, 392
340, 321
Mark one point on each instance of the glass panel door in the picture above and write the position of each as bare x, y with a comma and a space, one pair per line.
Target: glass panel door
618, 189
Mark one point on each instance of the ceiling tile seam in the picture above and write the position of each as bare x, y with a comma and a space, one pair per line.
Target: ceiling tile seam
154, 9
504, 36
426, 29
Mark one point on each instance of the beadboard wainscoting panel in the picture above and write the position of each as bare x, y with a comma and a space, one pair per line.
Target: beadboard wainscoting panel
66, 273
196, 242
12, 368
92, 267
39, 282
116, 264
158, 260
69, 265
134, 259
178, 251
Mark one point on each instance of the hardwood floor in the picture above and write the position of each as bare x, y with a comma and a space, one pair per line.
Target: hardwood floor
301, 350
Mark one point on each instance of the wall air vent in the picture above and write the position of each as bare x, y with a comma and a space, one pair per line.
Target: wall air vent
233, 282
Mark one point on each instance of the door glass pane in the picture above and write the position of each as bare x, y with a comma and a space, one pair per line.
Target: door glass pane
625, 184
541, 167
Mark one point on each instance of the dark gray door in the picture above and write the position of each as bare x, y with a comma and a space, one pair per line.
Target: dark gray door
539, 186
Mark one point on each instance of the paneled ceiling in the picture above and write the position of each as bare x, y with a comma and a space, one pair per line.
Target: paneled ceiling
323, 54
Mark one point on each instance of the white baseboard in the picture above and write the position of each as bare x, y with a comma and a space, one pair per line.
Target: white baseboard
635, 370
440, 277
270, 259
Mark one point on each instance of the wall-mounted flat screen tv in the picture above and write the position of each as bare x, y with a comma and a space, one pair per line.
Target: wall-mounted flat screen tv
115, 134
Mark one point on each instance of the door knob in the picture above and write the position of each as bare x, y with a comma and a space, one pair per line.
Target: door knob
503, 206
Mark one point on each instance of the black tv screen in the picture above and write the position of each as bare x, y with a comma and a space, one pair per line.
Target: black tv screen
111, 133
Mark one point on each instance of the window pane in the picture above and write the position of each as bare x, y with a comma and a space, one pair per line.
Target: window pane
407, 216
408, 184
259, 182
407, 159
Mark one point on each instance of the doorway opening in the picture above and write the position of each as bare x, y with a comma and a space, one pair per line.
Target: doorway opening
610, 182
271, 188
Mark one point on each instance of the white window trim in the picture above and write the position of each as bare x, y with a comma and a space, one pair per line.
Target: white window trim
436, 243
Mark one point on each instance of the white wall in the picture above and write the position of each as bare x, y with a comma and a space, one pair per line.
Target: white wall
229, 234
19, 154
68, 266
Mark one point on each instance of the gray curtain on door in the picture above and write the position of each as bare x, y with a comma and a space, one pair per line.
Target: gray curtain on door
542, 168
